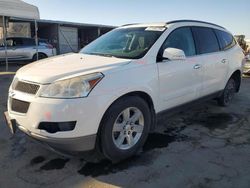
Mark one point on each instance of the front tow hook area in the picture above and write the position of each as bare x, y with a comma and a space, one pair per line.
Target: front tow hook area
11, 123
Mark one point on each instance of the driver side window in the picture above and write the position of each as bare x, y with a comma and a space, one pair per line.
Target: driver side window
182, 39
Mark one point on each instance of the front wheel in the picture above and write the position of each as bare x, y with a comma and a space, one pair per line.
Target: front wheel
228, 93
124, 128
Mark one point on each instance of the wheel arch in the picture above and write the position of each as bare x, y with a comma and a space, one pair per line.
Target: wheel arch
42, 53
146, 97
236, 75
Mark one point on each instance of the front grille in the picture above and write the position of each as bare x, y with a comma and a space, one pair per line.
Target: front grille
27, 87
19, 106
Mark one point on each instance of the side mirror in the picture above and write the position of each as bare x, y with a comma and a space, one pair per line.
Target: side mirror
174, 54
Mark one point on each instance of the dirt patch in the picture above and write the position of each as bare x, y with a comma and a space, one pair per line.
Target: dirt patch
106, 167
154, 141
37, 160
54, 164
157, 140
103, 168
214, 120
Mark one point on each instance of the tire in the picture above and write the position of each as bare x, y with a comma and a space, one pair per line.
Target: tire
228, 93
132, 114
40, 56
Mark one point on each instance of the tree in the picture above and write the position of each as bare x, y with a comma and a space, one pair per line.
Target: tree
241, 40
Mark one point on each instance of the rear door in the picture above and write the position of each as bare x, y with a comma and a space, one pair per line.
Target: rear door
213, 62
227, 42
28, 48
16, 50
179, 80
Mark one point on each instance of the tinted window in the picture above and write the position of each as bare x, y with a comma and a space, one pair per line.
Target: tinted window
226, 40
17, 42
29, 42
9, 42
205, 39
182, 39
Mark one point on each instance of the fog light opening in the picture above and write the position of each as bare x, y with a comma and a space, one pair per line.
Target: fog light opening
54, 127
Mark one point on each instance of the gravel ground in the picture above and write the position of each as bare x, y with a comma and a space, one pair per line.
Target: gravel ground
204, 146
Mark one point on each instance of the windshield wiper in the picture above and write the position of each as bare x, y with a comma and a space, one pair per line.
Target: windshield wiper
109, 55
99, 54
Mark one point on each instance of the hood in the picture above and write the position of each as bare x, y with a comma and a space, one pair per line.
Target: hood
48, 70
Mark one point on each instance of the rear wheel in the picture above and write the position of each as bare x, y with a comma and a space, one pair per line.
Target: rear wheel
40, 56
125, 128
228, 94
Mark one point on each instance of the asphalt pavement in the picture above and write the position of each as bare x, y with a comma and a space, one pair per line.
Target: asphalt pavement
204, 146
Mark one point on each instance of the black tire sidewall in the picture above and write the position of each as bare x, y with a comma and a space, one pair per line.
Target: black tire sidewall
40, 56
231, 81
222, 100
108, 147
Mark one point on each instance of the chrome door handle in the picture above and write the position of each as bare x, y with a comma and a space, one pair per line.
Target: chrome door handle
197, 66
223, 61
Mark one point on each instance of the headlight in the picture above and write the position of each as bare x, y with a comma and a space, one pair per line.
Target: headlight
75, 87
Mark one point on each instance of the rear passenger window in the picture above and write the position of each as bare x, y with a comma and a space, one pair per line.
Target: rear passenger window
181, 39
29, 42
226, 40
17, 42
205, 39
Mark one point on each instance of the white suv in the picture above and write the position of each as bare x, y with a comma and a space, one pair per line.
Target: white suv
107, 96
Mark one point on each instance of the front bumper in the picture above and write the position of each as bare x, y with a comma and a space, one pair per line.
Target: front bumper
29, 111
86, 112
68, 146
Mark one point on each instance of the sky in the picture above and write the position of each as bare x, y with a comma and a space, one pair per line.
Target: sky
232, 14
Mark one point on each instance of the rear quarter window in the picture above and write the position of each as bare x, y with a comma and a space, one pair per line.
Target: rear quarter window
205, 40
226, 40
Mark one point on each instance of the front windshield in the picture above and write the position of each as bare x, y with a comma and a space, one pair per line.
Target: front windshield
129, 43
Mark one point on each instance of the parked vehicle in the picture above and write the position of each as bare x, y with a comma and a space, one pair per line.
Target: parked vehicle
107, 96
246, 68
20, 48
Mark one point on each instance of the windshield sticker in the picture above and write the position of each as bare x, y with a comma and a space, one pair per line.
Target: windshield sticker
155, 28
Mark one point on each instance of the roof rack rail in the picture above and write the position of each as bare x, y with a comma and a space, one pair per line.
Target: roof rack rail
147, 24
197, 21
129, 24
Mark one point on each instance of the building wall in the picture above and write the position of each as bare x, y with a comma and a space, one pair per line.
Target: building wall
51, 31
20, 29
68, 39
87, 35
